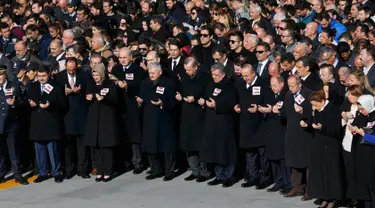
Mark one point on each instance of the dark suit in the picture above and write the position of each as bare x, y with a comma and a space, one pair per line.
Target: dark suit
161, 35
338, 66
47, 125
229, 69
7, 46
9, 127
75, 123
4, 61
264, 74
371, 76
176, 72
313, 82
129, 113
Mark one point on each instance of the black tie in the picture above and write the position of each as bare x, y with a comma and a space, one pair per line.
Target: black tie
174, 65
276, 95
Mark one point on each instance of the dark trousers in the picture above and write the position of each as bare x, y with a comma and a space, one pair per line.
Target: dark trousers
224, 172
281, 173
45, 150
137, 155
76, 155
299, 179
193, 160
257, 165
103, 160
8, 144
156, 161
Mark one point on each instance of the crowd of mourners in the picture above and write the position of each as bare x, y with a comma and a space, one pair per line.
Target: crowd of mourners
279, 93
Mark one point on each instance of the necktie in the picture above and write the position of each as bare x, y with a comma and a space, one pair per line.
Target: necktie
174, 65
41, 88
276, 95
71, 82
259, 68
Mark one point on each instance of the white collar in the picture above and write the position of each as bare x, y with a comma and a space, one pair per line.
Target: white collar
127, 67
1, 55
264, 62
368, 69
60, 55
255, 79
325, 104
177, 60
5, 84
304, 78
335, 63
225, 62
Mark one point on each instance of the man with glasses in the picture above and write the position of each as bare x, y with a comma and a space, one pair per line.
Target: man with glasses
263, 56
203, 52
143, 47
237, 49
219, 54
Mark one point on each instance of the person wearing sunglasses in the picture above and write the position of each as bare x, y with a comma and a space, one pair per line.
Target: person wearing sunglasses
236, 41
262, 53
203, 52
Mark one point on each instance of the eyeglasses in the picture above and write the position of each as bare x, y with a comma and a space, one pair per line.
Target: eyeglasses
233, 41
125, 36
204, 35
280, 28
260, 52
143, 49
216, 14
193, 13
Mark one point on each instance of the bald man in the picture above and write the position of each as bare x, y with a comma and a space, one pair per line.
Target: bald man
189, 6
57, 53
274, 69
251, 94
311, 31
300, 50
130, 76
22, 54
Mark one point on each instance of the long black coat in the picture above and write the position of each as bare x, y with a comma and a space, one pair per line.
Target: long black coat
75, 118
101, 126
298, 140
273, 127
326, 170
10, 117
313, 82
158, 126
250, 122
218, 142
47, 124
130, 115
364, 157
192, 114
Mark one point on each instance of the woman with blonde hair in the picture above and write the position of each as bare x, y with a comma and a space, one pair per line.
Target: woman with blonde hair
101, 129
357, 77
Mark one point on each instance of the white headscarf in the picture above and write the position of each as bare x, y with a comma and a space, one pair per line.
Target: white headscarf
367, 102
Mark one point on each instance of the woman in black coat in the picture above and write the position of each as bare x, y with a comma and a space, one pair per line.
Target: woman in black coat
326, 175
363, 129
101, 129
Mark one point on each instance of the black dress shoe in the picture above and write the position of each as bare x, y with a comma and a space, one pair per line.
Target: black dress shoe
201, 179
318, 202
263, 185
99, 179
41, 179
69, 176
228, 183
105, 180
275, 188
154, 176
58, 179
249, 183
190, 177
149, 172
285, 190
84, 175
21, 181
168, 177
2, 179
215, 182
137, 171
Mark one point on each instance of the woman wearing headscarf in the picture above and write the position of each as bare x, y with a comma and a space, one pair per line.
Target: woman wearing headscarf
101, 129
363, 129
326, 175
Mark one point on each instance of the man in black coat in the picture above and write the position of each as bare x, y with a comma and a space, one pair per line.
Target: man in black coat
251, 92
157, 96
48, 103
130, 76
368, 60
263, 52
75, 84
159, 31
309, 79
9, 127
175, 68
218, 145
219, 54
273, 131
298, 140
193, 85
203, 52
176, 11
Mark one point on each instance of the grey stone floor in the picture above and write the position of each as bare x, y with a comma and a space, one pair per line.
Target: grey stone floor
133, 191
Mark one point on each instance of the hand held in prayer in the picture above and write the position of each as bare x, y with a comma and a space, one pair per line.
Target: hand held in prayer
32, 103
275, 109
44, 106
253, 108
157, 103
10, 101
298, 108
178, 96
237, 108
189, 99
89, 97
317, 126
99, 97
68, 90
77, 89
201, 101
303, 124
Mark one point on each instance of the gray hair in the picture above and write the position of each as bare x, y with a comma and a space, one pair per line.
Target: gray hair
218, 67
69, 32
154, 65
305, 47
254, 39
327, 50
346, 70
127, 51
256, 7
192, 60
100, 39
279, 16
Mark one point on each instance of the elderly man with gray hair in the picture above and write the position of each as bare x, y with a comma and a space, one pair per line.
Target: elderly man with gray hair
218, 145
157, 96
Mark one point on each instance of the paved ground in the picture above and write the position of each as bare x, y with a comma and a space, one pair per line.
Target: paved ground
133, 191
